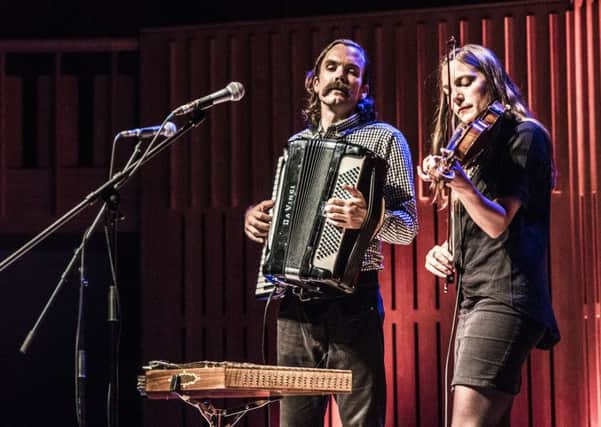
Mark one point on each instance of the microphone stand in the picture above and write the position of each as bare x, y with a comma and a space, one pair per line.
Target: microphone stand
111, 218
101, 192
113, 313
108, 192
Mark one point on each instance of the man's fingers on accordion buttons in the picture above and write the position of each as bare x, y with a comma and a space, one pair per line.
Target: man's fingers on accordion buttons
341, 215
335, 222
351, 189
334, 202
331, 209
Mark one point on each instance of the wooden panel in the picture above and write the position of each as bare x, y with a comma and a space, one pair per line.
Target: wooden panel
13, 144
586, 36
200, 139
195, 298
45, 122
102, 136
301, 61
233, 287
178, 153
235, 166
43, 173
161, 306
214, 297
261, 129
220, 125
569, 393
121, 115
515, 54
241, 168
280, 103
406, 95
3, 111
66, 121
37, 89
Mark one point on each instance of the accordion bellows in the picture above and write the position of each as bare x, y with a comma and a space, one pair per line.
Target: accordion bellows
303, 249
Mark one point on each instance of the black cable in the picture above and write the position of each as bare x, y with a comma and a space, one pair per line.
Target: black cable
264, 349
448, 357
80, 354
114, 320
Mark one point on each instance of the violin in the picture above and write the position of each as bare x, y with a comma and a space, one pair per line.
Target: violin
466, 144
464, 147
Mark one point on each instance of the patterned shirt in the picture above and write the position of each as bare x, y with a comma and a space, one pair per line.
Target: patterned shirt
400, 217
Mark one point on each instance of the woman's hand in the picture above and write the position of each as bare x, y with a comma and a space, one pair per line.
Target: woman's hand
439, 261
431, 168
459, 181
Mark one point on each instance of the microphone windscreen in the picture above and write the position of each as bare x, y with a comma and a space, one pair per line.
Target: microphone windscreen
237, 90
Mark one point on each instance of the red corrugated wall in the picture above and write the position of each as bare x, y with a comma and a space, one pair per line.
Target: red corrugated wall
206, 307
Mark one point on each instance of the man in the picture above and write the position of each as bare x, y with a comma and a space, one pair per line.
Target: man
345, 331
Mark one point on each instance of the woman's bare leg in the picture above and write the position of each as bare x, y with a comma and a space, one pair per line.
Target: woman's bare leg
474, 407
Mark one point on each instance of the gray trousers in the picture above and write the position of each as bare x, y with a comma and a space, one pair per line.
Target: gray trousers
341, 333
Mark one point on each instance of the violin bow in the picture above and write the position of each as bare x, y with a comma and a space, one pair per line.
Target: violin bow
446, 193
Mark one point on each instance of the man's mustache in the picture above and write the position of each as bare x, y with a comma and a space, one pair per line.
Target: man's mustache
337, 85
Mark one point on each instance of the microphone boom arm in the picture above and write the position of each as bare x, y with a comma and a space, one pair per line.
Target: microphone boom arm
104, 191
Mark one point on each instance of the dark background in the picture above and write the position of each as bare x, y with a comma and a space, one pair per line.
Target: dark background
40, 384
70, 18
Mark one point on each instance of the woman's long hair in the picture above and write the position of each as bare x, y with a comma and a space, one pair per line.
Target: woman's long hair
500, 87
312, 111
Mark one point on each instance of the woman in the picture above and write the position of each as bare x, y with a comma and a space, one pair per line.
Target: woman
501, 203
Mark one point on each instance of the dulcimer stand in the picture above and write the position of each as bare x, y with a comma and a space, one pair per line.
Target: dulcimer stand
216, 417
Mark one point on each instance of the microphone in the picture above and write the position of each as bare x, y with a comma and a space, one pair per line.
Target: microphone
232, 92
149, 132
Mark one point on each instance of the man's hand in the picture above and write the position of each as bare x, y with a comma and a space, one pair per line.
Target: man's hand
257, 221
347, 213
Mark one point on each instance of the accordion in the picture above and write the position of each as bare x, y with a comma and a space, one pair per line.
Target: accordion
302, 249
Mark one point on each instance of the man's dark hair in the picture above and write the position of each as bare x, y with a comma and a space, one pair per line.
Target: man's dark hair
365, 107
